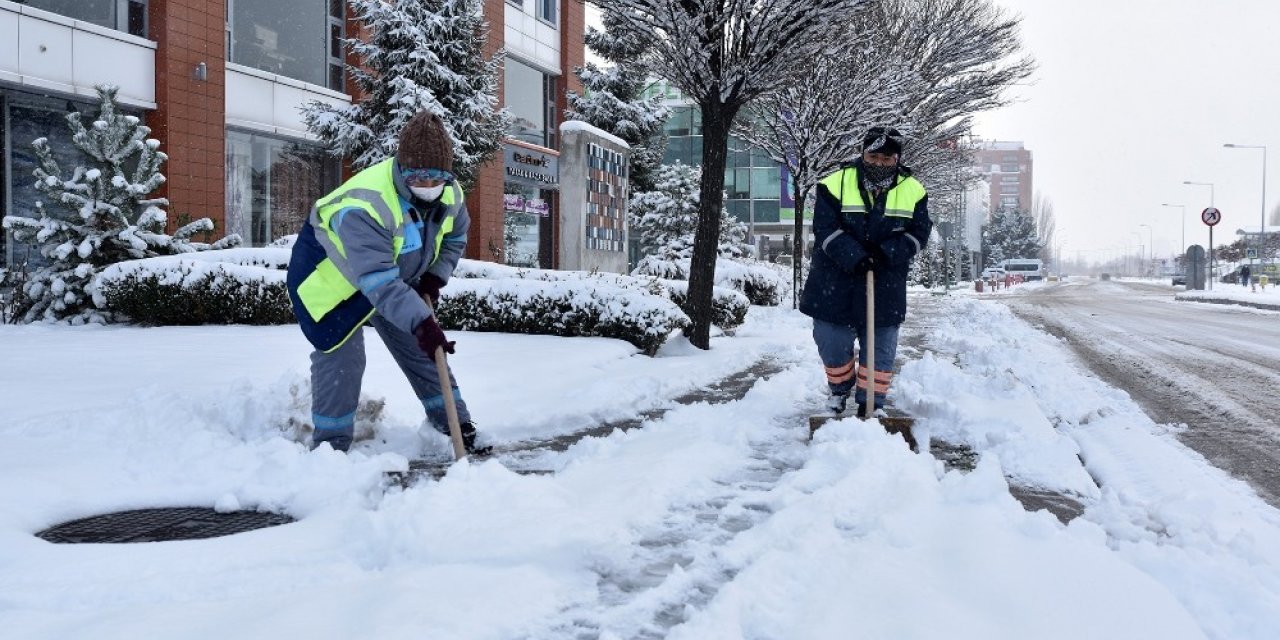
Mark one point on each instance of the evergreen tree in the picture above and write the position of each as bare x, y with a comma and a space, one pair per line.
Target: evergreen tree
1009, 234
99, 215
666, 219
614, 99
420, 55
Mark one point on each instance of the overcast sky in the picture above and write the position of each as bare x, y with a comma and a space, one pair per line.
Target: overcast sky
1132, 97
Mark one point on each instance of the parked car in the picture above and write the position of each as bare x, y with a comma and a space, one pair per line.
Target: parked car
1178, 279
992, 272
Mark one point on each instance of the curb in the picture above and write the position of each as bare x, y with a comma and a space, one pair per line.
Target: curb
1238, 303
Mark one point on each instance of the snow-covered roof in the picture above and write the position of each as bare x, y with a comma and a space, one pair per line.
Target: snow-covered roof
580, 125
1253, 231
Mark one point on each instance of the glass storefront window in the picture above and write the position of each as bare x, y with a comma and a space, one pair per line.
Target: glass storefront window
679, 123
766, 210
292, 39
272, 184
524, 210
530, 97
766, 183
129, 16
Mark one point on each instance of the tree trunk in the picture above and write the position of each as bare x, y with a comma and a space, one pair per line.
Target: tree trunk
716, 119
797, 253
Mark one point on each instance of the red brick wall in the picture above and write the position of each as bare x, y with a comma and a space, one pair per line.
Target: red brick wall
190, 120
484, 201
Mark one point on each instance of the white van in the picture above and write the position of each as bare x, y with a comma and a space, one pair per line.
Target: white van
1028, 268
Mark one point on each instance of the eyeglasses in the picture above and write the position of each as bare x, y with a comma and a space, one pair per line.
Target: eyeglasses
426, 175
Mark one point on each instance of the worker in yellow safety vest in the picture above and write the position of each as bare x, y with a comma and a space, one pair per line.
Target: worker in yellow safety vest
368, 254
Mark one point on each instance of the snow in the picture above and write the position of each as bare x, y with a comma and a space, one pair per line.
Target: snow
765, 536
582, 125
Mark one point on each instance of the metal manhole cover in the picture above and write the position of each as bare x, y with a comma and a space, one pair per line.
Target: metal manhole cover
161, 525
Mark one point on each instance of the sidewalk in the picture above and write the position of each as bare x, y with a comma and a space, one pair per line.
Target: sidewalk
1224, 293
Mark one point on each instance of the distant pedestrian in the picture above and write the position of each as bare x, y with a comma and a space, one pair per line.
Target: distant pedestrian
1245, 275
870, 215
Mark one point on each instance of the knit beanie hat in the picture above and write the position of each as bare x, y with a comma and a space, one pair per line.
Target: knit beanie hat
425, 144
884, 140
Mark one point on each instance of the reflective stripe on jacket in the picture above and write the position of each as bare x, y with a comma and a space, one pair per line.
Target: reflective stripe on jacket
337, 284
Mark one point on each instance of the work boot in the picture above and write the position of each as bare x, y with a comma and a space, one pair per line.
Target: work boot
469, 441
836, 402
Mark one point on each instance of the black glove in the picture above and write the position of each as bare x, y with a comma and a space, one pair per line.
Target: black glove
874, 260
429, 285
430, 336
869, 263
876, 253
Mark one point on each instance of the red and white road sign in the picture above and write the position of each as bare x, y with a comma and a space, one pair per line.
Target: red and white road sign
1211, 216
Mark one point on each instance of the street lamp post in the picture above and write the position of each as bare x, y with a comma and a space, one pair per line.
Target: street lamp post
1183, 215
1151, 248
1262, 228
1212, 266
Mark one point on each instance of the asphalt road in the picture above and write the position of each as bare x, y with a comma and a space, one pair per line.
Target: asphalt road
1214, 368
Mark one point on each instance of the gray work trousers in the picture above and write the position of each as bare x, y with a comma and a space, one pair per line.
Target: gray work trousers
336, 377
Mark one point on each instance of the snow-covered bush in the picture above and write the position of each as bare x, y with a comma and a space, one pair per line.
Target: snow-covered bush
233, 286
560, 308
763, 283
101, 214
728, 307
247, 286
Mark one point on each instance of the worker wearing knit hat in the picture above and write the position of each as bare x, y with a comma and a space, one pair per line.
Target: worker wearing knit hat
425, 144
372, 252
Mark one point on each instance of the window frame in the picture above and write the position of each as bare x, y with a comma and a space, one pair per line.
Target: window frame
539, 7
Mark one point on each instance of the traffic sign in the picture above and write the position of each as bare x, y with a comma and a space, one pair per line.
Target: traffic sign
1211, 216
1251, 253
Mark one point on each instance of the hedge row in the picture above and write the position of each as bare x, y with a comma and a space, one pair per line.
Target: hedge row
241, 286
560, 309
210, 298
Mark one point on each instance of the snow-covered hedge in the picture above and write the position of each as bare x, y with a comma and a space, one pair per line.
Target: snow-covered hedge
229, 286
763, 283
729, 306
247, 286
560, 308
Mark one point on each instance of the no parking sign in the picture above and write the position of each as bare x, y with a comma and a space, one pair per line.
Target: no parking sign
1211, 216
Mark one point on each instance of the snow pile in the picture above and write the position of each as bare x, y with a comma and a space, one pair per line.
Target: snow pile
711, 521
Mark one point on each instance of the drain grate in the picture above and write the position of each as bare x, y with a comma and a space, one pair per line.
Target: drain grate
161, 525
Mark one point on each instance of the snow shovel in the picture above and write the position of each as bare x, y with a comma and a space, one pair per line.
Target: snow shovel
446, 391
891, 424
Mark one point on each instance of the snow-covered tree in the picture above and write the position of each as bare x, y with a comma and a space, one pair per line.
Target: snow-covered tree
99, 215
1046, 226
613, 99
962, 57
1009, 234
665, 221
722, 54
420, 55
812, 126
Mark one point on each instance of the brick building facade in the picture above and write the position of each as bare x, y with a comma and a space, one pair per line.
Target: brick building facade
220, 84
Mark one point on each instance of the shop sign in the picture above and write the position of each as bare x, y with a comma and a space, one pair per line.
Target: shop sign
529, 167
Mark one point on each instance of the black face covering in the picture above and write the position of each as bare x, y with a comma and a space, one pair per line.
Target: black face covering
878, 176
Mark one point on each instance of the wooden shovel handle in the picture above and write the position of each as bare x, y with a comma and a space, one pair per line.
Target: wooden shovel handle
446, 391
